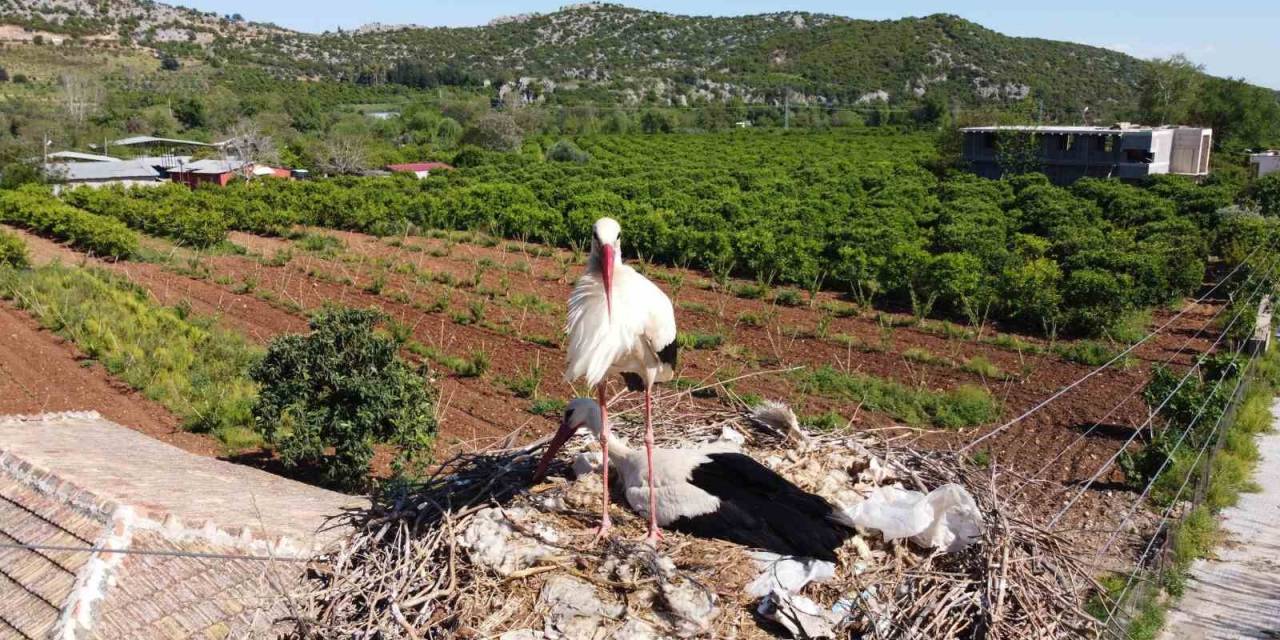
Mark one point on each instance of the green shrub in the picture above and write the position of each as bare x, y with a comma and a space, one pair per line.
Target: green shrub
566, 151
34, 208
343, 386
13, 251
182, 217
983, 367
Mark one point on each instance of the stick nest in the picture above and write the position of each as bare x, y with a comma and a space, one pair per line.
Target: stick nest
412, 567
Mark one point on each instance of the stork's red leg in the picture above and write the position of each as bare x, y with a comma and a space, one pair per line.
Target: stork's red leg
605, 524
654, 534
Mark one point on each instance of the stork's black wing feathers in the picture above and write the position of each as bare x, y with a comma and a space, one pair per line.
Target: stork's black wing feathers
667, 354
760, 508
633, 381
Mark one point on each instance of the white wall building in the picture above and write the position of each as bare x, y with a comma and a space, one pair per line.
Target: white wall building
1264, 163
1067, 154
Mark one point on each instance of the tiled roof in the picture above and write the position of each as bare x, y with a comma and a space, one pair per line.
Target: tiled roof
77, 480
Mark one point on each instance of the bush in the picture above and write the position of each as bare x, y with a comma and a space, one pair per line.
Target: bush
567, 151
34, 208
181, 218
1265, 192
343, 386
495, 132
13, 252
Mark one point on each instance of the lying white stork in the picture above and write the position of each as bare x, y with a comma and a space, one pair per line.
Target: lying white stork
713, 492
619, 322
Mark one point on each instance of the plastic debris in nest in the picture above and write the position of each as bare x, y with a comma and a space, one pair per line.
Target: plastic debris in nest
947, 518
496, 539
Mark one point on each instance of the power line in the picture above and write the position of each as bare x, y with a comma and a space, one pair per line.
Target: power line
1132, 393
1059, 393
1169, 459
1107, 464
1168, 511
148, 552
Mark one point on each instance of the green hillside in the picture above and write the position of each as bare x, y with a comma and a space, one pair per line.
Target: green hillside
595, 52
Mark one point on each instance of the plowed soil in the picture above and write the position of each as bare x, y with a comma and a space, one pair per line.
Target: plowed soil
41, 373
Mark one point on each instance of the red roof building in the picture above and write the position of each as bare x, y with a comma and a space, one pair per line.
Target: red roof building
419, 169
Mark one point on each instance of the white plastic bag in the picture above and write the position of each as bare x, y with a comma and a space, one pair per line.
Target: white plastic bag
947, 518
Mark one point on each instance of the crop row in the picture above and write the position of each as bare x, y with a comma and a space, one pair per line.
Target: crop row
866, 214
37, 210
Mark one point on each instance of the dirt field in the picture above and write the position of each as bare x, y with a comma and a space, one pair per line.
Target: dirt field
507, 301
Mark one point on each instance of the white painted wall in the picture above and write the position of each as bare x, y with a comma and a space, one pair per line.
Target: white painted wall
1264, 163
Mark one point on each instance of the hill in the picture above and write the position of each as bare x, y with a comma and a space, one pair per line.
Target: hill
597, 52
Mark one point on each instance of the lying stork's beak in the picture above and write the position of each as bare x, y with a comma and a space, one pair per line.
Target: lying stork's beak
562, 436
606, 269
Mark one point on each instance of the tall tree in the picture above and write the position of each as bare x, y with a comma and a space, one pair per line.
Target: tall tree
1167, 89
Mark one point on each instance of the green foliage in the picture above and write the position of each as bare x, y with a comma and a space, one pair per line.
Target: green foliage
34, 208
964, 406
1265, 193
195, 369
565, 150
13, 251
495, 132
178, 217
343, 386
785, 209
699, 340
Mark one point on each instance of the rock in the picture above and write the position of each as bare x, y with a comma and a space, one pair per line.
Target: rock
688, 608
574, 609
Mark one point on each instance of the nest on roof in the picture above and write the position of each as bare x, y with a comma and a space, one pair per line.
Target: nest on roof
474, 552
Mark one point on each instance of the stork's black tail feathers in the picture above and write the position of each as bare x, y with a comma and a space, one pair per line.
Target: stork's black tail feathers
761, 509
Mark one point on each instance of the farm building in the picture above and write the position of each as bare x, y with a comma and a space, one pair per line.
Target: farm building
1264, 163
195, 532
1126, 151
219, 172
100, 173
419, 169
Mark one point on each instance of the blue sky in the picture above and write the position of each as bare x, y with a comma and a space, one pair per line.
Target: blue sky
1239, 38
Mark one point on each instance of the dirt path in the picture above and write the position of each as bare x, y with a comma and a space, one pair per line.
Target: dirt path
40, 372
1237, 593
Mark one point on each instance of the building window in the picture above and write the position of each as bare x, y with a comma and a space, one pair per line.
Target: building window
989, 140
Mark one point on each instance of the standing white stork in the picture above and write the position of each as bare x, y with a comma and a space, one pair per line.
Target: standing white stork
713, 492
619, 322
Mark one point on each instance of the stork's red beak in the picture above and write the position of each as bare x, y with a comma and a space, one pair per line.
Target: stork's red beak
606, 270
562, 436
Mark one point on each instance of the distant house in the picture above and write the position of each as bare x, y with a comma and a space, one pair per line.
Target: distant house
383, 115
209, 171
101, 173
419, 169
1264, 163
1126, 151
